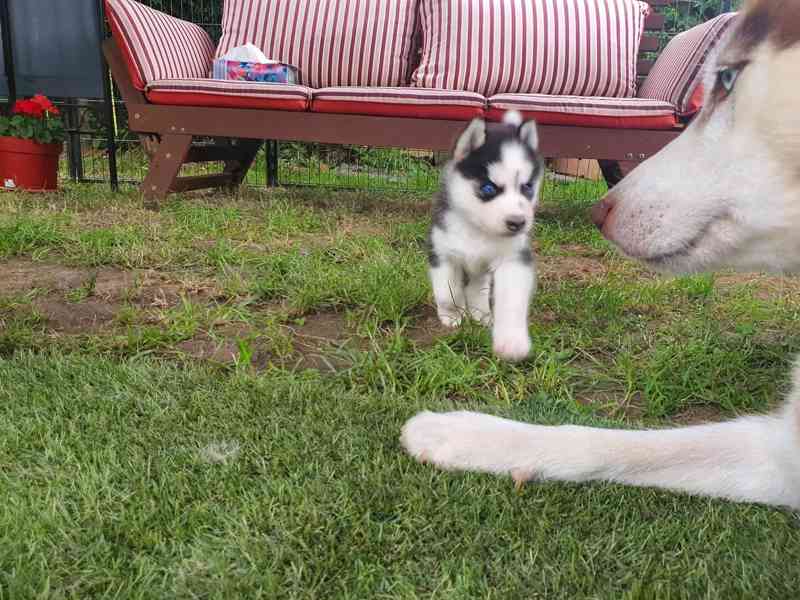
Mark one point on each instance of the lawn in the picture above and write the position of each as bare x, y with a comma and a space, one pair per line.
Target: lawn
205, 402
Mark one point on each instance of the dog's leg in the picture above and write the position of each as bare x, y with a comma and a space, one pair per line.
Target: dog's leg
477, 293
514, 284
447, 280
752, 459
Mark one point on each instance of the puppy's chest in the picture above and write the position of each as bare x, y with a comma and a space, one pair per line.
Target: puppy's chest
474, 254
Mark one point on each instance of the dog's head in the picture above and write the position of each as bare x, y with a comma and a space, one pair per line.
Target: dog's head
726, 193
494, 178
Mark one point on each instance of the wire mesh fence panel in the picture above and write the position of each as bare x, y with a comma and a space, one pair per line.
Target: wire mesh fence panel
353, 167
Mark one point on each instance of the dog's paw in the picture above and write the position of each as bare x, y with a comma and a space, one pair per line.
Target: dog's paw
484, 317
450, 318
464, 441
510, 346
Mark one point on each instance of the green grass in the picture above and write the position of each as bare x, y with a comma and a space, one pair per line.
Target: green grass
205, 402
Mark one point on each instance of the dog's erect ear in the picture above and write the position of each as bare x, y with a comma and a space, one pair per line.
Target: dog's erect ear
529, 134
473, 137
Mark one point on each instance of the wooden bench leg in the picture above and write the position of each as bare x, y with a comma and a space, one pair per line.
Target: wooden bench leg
238, 168
164, 167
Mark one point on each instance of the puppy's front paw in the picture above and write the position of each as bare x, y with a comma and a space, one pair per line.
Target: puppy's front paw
512, 346
450, 318
484, 317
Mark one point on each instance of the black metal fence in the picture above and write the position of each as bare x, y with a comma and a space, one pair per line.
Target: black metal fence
87, 156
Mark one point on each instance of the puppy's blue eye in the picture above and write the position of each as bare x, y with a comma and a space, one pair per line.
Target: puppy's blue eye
527, 189
488, 189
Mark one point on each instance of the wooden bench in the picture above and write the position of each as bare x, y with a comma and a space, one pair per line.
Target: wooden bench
168, 131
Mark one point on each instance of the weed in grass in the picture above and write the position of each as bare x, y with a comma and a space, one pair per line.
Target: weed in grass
83, 291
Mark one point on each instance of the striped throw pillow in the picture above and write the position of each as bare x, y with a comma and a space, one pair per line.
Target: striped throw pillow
678, 73
563, 47
158, 46
331, 42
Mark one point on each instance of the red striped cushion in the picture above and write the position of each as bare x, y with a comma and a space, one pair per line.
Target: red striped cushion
585, 111
157, 46
679, 69
228, 94
580, 47
399, 102
331, 42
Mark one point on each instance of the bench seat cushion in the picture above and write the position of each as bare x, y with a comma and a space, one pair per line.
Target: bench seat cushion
623, 113
228, 94
399, 102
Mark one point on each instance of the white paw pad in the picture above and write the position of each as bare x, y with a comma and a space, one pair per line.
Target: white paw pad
512, 347
451, 319
460, 440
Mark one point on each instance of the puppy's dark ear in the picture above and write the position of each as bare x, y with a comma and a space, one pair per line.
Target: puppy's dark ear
474, 136
529, 134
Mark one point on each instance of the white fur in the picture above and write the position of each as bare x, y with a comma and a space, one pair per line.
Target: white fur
514, 284
726, 193
752, 459
472, 137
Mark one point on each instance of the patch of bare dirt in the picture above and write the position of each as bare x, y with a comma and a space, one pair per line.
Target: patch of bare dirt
765, 287
222, 347
573, 268
80, 317
320, 342
612, 404
426, 328
697, 415
98, 294
20, 276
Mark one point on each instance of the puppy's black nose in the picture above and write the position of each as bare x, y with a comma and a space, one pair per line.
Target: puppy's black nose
515, 224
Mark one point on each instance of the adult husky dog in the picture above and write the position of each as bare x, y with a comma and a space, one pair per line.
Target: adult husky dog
726, 193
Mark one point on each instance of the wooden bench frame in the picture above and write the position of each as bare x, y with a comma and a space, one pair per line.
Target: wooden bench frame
167, 132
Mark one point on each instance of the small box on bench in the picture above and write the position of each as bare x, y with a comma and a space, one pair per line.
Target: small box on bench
271, 72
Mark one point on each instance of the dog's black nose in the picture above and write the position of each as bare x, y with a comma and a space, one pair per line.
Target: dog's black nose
515, 224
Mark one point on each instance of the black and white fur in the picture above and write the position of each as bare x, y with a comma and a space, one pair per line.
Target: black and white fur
480, 237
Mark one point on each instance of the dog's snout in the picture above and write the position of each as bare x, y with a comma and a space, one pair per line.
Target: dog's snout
600, 210
515, 224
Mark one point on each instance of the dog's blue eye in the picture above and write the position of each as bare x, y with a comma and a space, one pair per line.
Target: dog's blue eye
727, 77
527, 189
488, 189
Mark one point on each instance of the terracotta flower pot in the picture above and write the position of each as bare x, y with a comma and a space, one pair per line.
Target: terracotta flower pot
28, 165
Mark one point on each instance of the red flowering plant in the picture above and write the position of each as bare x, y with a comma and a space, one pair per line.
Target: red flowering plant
34, 119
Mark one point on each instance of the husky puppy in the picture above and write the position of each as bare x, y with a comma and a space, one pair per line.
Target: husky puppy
480, 237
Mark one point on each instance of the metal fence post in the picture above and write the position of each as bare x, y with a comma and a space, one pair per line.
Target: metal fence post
271, 158
108, 102
8, 51
74, 155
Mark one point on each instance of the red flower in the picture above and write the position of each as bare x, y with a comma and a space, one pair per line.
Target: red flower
45, 103
28, 108
36, 107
